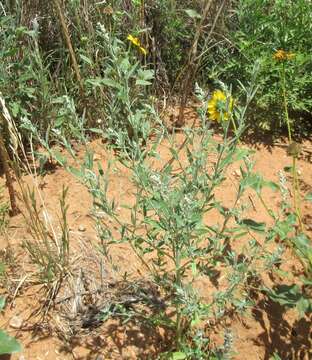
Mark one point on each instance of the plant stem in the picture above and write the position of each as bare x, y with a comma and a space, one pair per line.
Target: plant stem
178, 284
268, 210
192, 65
69, 45
4, 157
283, 76
296, 193
295, 185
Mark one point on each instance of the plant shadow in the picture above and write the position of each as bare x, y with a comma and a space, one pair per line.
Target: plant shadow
133, 341
289, 341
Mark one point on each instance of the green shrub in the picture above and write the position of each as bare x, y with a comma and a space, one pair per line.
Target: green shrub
255, 29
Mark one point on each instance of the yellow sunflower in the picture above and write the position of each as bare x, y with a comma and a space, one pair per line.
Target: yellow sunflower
220, 106
282, 55
136, 42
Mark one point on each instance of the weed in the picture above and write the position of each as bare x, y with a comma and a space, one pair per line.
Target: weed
47, 250
178, 245
8, 344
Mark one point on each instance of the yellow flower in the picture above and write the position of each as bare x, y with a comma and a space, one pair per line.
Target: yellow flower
136, 42
290, 56
219, 106
143, 51
282, 55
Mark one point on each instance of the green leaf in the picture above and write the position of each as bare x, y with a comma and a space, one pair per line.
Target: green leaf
308, 197
241, 154
2, 268
15, 108
142, 82
95, 81
272, 185
2, 303
194, 269
86, 59
255, 181
304, 306
8, 344
59, 158
288, 169
112, 83
285, 295
192, 13
146, 74
96, 131
178, 356
254, 225
59, 122
77, 173
275, 357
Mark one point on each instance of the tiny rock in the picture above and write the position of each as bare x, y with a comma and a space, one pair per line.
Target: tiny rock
16, 322
100, 357
236, 173
81, 228
96, 157
128, 353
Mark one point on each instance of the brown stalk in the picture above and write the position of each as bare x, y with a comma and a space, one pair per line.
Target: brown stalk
193, 60
5, 160
7, 129
68, 42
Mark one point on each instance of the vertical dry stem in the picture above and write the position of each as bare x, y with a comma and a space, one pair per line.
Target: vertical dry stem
192, 63
4, 158
191, 67
68, 42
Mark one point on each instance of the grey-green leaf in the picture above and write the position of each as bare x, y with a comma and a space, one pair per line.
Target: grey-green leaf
2, 302
8, 344
308, 197
178, 356
192, 13
254, 225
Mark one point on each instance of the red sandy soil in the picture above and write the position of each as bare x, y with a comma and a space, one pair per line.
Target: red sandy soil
267, 328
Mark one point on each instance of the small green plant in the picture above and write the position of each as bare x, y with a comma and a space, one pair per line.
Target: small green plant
283, 58
48, 250
8, 344
127, 112
177, 244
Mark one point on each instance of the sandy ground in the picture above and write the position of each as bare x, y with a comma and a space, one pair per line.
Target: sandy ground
266, 329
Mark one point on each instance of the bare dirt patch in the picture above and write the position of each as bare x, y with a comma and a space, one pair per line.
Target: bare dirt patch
266, 329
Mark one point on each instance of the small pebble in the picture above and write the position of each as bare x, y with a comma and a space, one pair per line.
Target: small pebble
100, 357
236, 173
81, 228
16, 322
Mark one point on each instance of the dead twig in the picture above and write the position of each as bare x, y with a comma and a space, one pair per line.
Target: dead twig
4, 156
193, 59
68, 42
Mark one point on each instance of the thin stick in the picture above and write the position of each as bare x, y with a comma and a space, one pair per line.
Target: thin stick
68, 42
192, 64
4, 157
